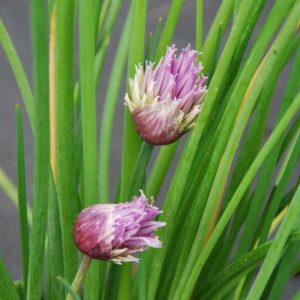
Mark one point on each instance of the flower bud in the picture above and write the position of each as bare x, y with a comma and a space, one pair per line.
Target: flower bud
165, 100
116, 231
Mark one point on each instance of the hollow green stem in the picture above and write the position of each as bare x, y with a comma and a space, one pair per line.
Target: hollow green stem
139, 170
82, 270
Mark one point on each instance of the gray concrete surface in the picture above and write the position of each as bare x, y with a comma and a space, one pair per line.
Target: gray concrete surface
15, 16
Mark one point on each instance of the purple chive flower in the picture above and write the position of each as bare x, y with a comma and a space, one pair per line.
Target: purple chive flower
116, 231
165, 100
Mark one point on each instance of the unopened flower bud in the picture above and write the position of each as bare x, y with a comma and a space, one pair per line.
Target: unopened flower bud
115, 232
165, 100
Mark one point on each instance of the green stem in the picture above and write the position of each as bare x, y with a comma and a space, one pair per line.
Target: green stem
139, 170
160, 168
23, 219
65, 175
103, 14
169, 28
88, 117
41, 147
223, 16
110, 104
77, 282
199, 24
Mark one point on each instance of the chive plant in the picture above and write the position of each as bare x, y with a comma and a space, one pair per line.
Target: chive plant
229, 219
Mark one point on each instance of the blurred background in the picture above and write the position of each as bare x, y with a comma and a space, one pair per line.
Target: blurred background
15, 15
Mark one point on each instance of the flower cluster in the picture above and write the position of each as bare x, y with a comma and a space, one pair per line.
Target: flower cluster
165, 100
116, 231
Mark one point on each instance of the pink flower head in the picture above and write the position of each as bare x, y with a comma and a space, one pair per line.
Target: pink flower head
116, 231
165, 100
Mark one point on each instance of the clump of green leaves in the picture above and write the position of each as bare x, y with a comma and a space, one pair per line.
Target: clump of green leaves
231, 207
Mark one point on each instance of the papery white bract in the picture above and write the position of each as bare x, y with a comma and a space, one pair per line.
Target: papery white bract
165, 100
116, 231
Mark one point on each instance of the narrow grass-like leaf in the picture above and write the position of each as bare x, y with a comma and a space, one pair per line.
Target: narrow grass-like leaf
108, 26
288, 137
214, 55
88, 118
7, 287
88, 99
258, 123
65, 177
252, 143
98, 5
111, 17
69, 289
110, 104
148, 48
139, 170
287, 198
12, 193
219, 182
281, 184
143, 280
222, 18
39, 25
291, 89
156, 39
23, 218
55, 259
199, 24
52, 97
284, 271
160, 169
275, 252
186, 285
112, 280
220, 284
169, 28
103, 14
19, 72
